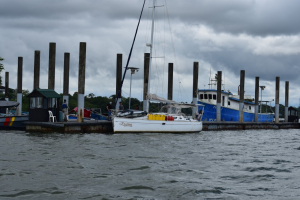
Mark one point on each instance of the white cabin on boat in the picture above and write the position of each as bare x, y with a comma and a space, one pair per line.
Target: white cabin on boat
228, 100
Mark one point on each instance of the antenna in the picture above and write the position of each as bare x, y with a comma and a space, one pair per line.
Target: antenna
210, 78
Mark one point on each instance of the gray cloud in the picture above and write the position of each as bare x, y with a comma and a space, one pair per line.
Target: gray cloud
260, 36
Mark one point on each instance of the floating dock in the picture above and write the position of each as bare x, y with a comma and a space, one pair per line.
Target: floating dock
218, 126
102, 126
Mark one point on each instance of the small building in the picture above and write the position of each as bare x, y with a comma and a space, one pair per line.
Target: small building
293, 115
40, 102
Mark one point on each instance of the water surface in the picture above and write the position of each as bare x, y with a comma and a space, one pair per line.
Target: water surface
251, 164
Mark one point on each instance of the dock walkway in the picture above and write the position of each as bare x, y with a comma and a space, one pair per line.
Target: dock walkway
95, 126
102, 126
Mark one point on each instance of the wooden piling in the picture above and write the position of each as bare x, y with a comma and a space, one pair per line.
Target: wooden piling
118, 79
277, 99
81, 81
286, 110
6, 85
256, 99
146, 81
170, 81
19, 86
36, 76
66, 77
219, 94
51, 72
195, 86
242, 91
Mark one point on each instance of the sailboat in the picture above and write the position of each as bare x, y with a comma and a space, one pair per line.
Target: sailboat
170, 119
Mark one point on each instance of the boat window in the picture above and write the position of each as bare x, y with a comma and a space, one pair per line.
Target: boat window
249, 107
214, 97
205, 96
32, 102
229, 103
201, 96
209, 96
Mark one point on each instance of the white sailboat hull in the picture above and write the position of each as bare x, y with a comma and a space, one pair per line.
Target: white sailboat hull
142, 125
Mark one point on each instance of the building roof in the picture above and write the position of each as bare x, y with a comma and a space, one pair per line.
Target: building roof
48, 93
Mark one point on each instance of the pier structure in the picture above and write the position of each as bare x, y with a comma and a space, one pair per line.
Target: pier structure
19, 86
242, 91
195, 87
81, 81
146, 81
99, 126
66, 77
51, 71
277, 99
219, 94
256, 99
6, 85
118, 80
36, 74
286, 108
170, 81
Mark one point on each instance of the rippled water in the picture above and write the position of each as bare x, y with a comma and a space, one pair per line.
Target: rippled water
256, 164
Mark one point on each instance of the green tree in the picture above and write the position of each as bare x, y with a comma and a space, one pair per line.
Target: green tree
1, 68
25, 100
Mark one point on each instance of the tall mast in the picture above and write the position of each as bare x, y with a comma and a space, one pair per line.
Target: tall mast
151, 46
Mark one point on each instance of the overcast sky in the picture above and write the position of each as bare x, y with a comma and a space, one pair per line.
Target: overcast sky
261, 37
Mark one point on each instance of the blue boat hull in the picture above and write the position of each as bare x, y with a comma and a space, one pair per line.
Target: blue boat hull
228, 114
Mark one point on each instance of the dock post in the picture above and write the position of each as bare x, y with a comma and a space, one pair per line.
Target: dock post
277, 99
242, 89
170, 81
118, 80
146, 81
6, 85
19, 86
256, 99
6, 88
66, 77
286, 110
195, 87
51, 72
36, 78
219, 94
81, 81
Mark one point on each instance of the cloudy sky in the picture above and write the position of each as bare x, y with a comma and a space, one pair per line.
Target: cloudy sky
261, 37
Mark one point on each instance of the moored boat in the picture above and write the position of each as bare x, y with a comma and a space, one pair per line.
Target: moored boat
8, 119
229, 106
170, 119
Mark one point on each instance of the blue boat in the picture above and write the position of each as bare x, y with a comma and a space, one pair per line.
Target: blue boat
229, 107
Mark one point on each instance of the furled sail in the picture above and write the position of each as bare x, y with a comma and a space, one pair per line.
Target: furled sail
154, 97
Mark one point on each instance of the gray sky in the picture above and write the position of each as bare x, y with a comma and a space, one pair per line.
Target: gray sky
258, 36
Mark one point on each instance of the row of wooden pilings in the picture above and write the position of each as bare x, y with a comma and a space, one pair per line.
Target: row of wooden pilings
81, 82
241, 97
51, 77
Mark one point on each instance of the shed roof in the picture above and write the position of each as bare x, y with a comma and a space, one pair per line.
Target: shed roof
48, 93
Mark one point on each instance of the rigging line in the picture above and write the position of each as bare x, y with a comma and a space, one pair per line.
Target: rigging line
173, 48
137, 28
